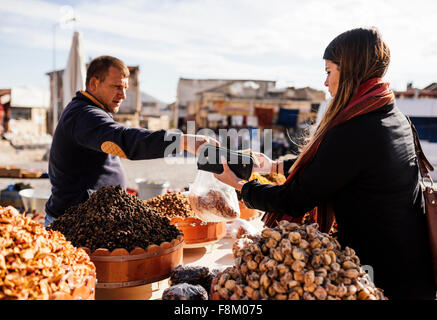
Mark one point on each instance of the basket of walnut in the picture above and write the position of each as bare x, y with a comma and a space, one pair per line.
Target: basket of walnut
38, 264
176, 207
127, 240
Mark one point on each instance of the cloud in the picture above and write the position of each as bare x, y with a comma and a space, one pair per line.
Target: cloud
281, 40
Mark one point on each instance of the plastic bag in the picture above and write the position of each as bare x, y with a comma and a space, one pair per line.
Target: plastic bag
239, 228
185, 291
192, 275
212, 200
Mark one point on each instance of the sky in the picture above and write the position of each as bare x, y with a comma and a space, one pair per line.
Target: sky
280, 40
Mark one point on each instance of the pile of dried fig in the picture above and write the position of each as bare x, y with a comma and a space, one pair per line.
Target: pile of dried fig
293, 261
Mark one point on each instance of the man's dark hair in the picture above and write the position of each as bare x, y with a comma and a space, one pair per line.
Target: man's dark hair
99, 68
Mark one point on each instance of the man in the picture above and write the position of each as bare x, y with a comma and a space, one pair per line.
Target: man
87, 142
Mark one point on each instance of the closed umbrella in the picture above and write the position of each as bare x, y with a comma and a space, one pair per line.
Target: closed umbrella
75, 72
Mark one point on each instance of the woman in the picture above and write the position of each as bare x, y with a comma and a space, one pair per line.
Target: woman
361, 165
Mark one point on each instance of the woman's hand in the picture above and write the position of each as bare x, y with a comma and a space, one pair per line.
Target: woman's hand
192, 143
229, 177
263, 164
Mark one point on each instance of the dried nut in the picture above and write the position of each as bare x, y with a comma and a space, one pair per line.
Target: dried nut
265, 280
286, 279
277, 255
351, 290
351, 273
335, 266
244, 269
325, 240
304, 244
239, 290
281, 297
294, 237
349, 264
288, 260
263, 265
319, 280
317, 261
292, 283
253, 284
279, 288
248, 291
271, 291
331, 289
298, 265
285, 245
276, 235
256, 295
293, 296
271, 264
224, 293
320, 293
271, 243
327, 259
299, 276
308, 296
341, 290
322, 272
309, 277
333, 275
310, 287
298, 254
252, 265
223, 278
230, 284
234, 296
282, 268
316, 243
273, 274
266, 233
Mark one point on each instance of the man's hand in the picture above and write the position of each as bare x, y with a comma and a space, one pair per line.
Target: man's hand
192, 143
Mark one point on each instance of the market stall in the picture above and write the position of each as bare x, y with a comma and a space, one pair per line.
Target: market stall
180, 245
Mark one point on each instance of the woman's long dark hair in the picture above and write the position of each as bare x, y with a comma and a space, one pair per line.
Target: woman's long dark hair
360, 55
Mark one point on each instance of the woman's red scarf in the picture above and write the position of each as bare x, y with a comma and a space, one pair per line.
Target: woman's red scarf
372, 95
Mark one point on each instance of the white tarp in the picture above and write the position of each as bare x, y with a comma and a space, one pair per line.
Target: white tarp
418, 107
30, 97
75, 71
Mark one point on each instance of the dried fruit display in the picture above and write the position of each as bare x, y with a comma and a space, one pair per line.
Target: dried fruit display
36, 263
112, 218
172, 205
294, 262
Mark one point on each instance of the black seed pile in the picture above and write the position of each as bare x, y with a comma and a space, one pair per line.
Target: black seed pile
112, 218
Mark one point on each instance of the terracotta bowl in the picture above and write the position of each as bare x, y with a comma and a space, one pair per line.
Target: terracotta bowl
119, 268
246, 213
197, 231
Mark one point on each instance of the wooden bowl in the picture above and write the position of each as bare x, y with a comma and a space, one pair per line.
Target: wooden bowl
197, 231
119, 268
